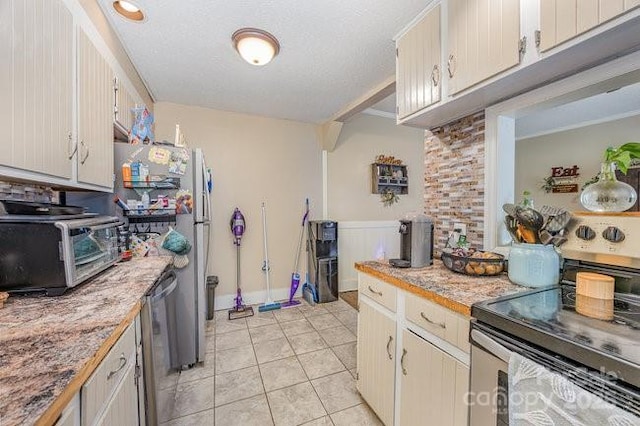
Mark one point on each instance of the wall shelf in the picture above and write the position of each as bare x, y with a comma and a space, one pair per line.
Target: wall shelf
166, 183
389, 178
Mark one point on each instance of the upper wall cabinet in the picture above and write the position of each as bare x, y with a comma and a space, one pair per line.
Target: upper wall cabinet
561, 20
484, 40
58, 99
418, 65
36, 86
492, 50
95, 118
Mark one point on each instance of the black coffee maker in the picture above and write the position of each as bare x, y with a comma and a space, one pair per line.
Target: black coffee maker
416, 243
322, 251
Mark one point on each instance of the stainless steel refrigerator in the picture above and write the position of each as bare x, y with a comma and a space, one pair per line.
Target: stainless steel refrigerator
194, 176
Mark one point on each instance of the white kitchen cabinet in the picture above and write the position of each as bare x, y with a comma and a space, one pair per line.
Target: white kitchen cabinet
484, 40
376, 349
433, 385
111, 392
418, 65
122, 409
562, 20
71, 414
124, 103
36, 86
95, 115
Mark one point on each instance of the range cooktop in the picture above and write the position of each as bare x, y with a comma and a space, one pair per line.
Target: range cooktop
547, 318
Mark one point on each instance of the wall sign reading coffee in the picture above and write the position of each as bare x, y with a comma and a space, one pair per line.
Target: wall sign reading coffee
562, 180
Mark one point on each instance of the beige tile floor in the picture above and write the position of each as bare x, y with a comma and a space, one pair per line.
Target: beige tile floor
293, 366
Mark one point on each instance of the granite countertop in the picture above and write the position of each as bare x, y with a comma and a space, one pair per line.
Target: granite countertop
441, 285
48, 345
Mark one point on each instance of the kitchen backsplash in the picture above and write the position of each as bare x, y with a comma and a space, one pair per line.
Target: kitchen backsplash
454, 178
25, 192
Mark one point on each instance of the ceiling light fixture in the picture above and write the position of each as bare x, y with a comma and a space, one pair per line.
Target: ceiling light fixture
128, 10
257, 47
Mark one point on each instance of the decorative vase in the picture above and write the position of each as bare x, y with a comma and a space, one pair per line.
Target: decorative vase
608, 194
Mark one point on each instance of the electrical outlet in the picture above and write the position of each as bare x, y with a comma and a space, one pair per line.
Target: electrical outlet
460, 228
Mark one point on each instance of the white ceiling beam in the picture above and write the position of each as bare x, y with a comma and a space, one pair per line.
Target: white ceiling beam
370, 98
328, 134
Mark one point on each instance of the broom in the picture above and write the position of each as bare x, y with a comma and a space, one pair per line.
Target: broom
295, 276
269, 304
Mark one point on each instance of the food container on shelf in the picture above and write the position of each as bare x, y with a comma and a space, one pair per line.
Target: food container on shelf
534, 265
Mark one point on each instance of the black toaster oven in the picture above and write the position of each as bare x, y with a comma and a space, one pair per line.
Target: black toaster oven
53, 253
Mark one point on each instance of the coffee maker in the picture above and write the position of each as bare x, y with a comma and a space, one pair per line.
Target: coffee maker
416, 243
322, 249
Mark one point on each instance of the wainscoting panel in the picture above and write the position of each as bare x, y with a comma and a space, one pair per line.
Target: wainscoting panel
358, 241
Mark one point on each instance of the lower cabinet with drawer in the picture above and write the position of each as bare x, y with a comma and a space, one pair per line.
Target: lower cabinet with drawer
110, 395
413, 357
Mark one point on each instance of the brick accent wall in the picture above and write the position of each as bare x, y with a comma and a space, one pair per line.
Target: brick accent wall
454, 178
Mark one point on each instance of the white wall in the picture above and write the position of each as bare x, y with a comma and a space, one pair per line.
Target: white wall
349, 169
583, 147
253, 159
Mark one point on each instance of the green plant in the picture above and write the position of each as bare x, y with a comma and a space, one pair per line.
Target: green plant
548, 183
388, 197
623, 155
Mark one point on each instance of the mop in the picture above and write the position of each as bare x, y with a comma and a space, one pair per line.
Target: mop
295, 276
269, 304
308, 288
237, 229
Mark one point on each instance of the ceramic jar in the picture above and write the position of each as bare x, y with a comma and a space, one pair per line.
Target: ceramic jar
534, 265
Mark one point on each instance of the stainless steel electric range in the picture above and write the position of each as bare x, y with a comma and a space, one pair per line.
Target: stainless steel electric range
602, 357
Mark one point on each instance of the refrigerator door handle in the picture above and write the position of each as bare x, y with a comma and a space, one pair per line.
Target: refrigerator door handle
206, 210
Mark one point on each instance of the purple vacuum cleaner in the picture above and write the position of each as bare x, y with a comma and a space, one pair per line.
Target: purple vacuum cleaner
295, 276
240, 310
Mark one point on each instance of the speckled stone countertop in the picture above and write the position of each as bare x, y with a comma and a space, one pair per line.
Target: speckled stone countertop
437, 283
48, 344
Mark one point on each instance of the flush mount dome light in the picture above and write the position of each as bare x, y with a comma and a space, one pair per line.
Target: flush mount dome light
128, 10
255, 46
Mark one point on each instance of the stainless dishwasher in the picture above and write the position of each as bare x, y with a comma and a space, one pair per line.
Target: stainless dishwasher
159, 339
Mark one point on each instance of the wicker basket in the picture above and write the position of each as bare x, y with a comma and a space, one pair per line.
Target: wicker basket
475, 266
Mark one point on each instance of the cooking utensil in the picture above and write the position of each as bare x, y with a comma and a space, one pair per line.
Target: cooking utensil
512, 226
557, 223
545, 236
528, 235
509, 209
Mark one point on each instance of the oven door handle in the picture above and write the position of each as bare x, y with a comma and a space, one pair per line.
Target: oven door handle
493, 347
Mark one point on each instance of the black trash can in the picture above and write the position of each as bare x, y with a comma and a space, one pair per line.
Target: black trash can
212, 283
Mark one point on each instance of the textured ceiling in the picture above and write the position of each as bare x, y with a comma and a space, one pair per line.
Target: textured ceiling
332, 52
609, 106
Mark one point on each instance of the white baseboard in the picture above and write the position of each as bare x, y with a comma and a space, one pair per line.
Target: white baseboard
349, 284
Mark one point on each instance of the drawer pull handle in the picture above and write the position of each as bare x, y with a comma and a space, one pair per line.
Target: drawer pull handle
404, 353
123, 362
435, 75
70, 144
86, 150
389, 344
440, 324
379, 293
451, 65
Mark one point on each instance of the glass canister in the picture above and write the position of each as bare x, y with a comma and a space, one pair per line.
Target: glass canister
534, 265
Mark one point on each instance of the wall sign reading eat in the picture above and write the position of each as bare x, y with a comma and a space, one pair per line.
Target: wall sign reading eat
562, 180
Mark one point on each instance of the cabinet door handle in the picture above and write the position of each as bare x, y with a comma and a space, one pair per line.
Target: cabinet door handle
451, 65
379, 293
71, 147
426, 318
123, 362
404, 353
389, 344
435, 75
86, 150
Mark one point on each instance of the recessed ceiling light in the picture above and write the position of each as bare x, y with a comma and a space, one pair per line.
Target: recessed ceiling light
255, 46
128, 10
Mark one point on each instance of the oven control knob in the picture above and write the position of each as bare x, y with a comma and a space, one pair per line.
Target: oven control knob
585, 233
613, 234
